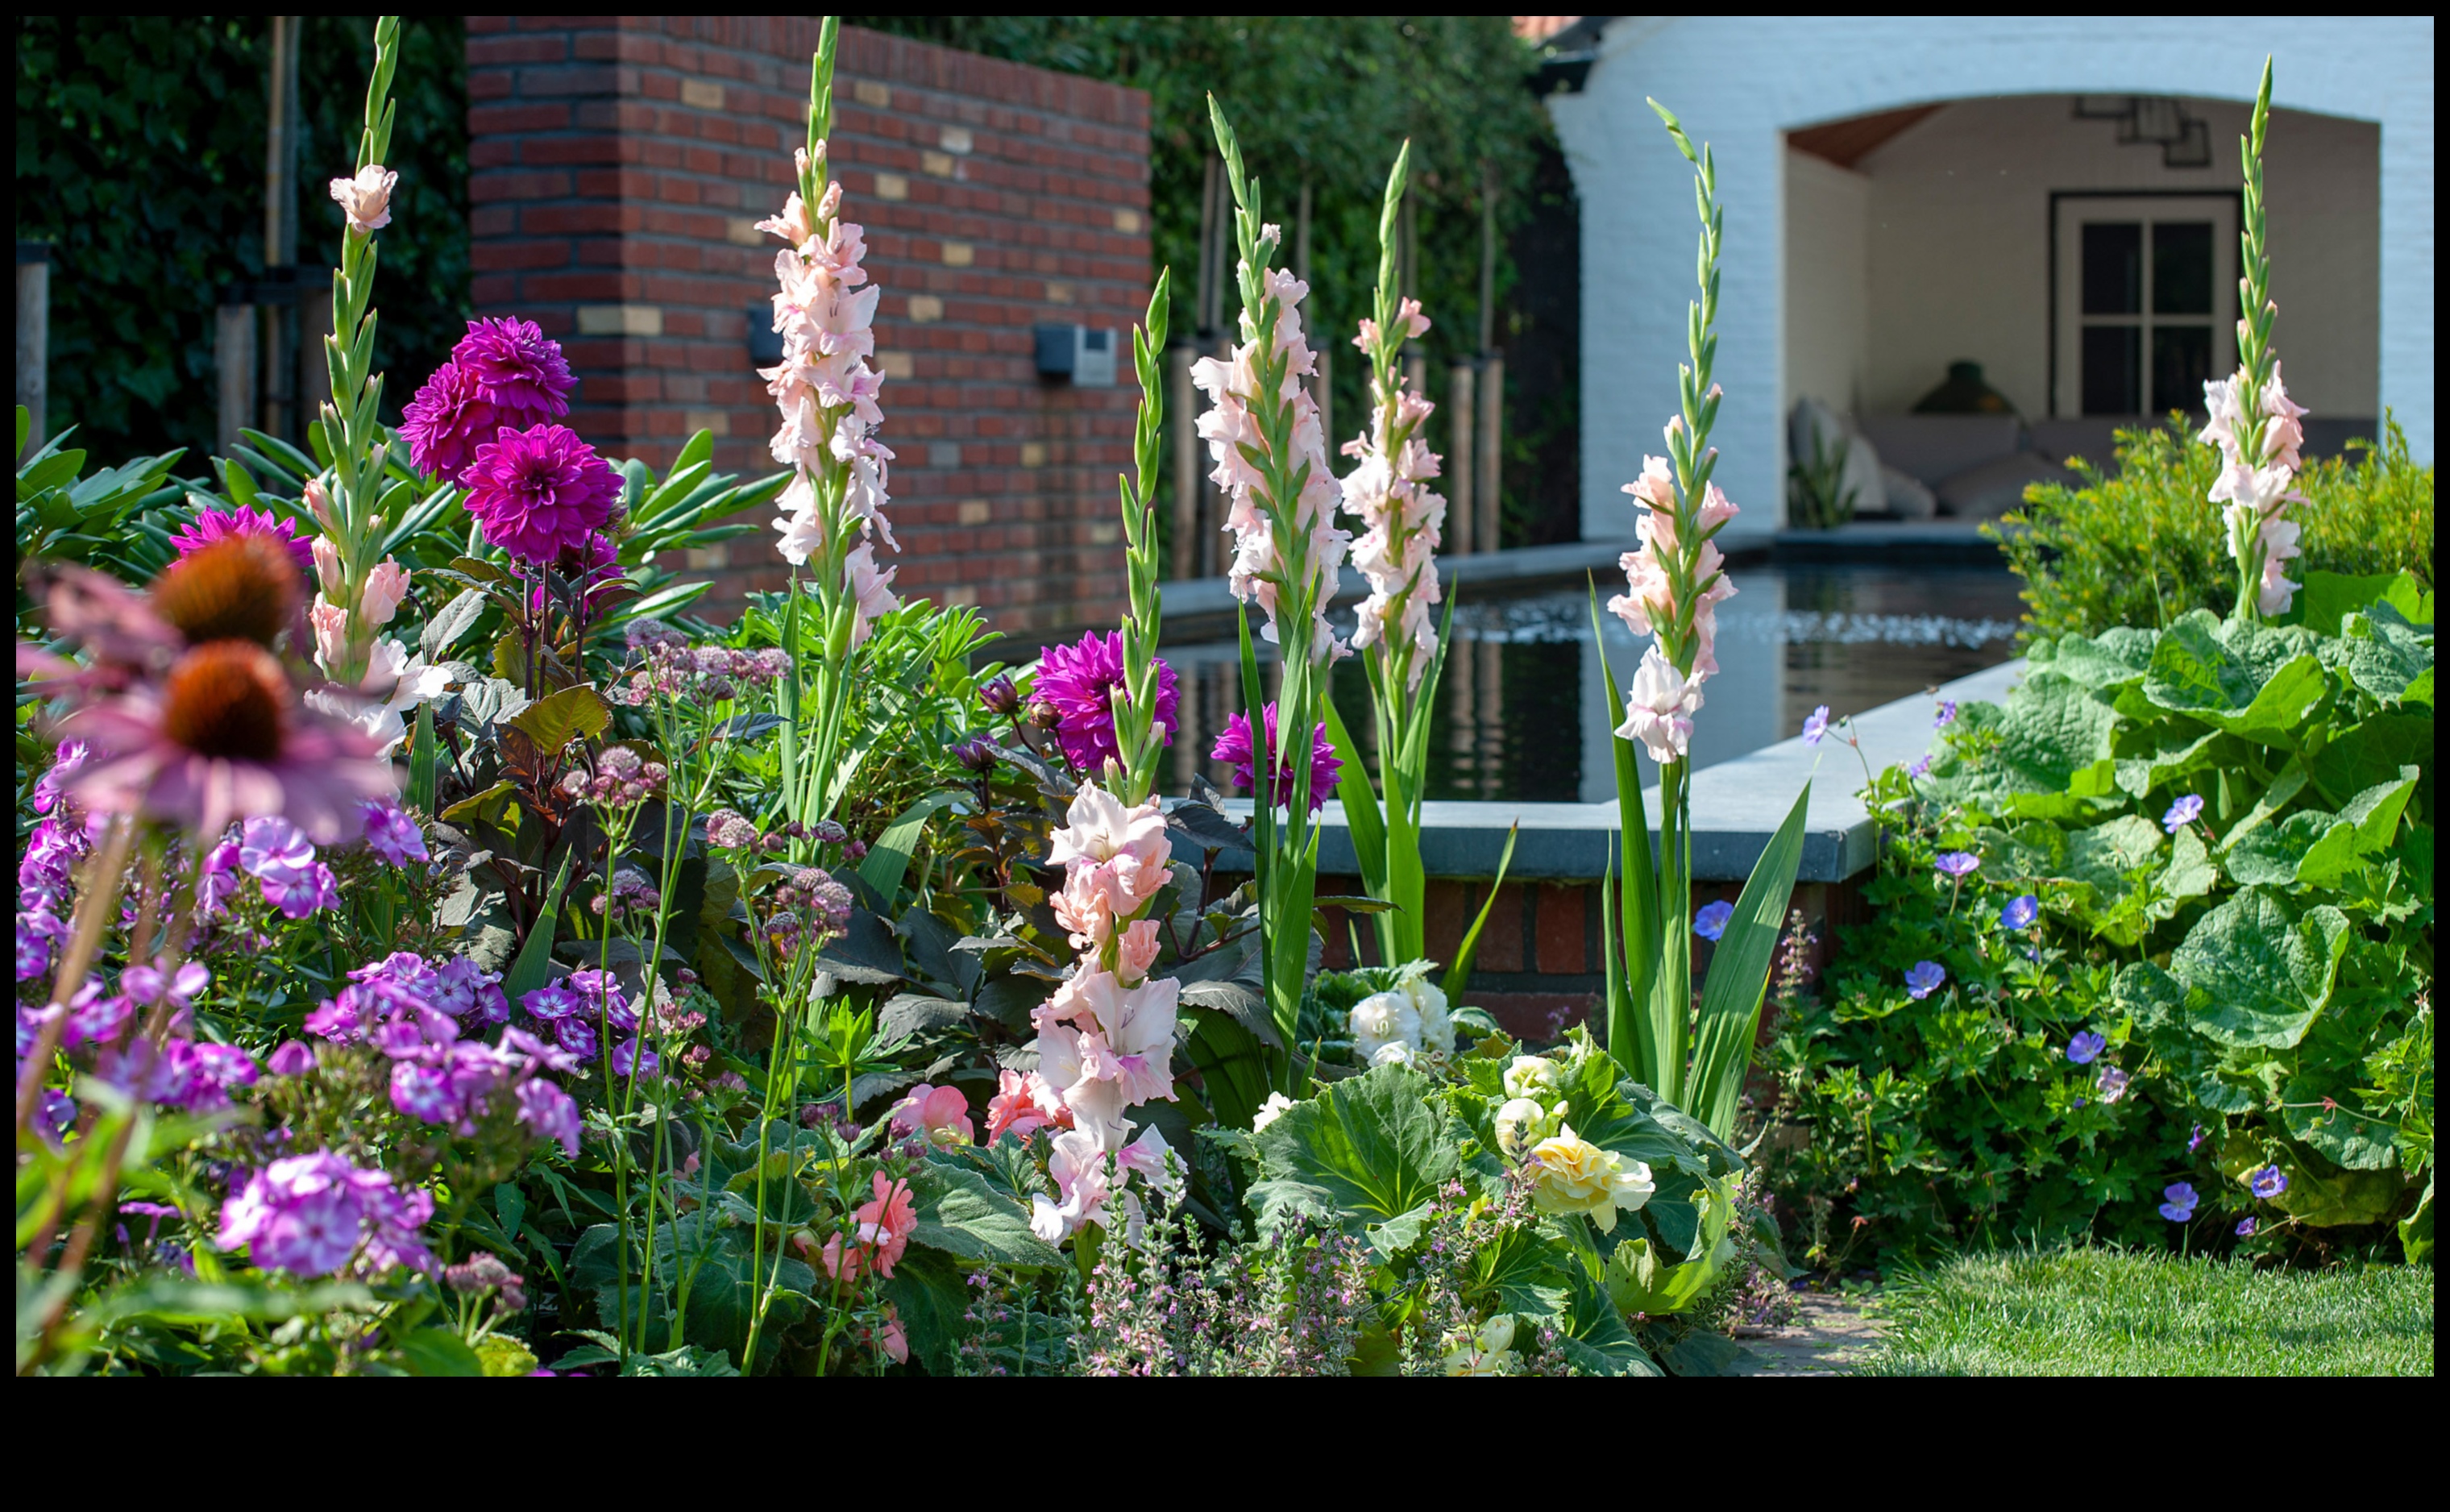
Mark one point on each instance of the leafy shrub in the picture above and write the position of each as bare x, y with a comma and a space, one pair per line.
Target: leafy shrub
2143, 547
2197, 949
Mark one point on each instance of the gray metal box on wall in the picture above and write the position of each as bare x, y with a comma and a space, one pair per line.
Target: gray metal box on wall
1077, 354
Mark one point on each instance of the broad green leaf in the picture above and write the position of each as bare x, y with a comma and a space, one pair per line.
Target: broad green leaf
2343, 1132
1373, 1145
440, 1351
2266, 977
498, 1355
2105, 854
2251, 682
2190, 872
552, 722
2375, 811
2372, 753
889, 860
2052, 731
961, 1215
2386, 658
1595, 1336
454, 620
1733, 992
2328, 598
2283, 790
535, 961
2307, 849
930, 1293
2118, 657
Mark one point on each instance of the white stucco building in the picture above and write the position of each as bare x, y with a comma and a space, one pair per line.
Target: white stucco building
1902, 193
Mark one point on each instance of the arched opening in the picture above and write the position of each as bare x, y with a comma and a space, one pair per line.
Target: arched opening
1982, 287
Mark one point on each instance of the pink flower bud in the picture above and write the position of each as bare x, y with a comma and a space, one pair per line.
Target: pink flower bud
319, 503
331, 625
386, 586
327, 565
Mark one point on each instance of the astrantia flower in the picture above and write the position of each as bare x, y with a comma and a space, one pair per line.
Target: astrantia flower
2084, 1047
1923, 978
2182, 813
1081, 682
2268, 1183
1711, 923
2179, 1199
1815, 724
2020, 911
1234, 745
211, 525
1958, 864
541, 492
225, 737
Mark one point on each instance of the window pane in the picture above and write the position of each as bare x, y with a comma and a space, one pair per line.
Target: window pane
2114, 267
2110, 354
2181, 267
2181, 363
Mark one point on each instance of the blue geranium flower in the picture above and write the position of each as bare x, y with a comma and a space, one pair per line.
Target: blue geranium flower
1711, 923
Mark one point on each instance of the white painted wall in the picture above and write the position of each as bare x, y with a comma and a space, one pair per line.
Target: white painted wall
1739, 83
1829, 314
1959, 257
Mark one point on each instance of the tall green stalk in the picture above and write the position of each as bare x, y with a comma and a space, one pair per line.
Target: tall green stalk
2256, 359
1137, 735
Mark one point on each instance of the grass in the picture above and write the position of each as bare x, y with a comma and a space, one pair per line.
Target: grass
2097, 1311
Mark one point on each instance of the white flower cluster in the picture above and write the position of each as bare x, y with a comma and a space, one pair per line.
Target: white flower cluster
1408, 1020
2258, 489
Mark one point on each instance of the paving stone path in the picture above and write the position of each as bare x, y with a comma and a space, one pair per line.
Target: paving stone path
1830, 1336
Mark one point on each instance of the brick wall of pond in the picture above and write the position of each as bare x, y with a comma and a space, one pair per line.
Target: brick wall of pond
617, 165
1538, 969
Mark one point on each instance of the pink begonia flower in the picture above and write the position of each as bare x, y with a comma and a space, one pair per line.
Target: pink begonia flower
386, 586
1025, 1103
1139, 947
941, 1113
1659, 708
885, 1225
896, 1342
366, 197
1079, 1166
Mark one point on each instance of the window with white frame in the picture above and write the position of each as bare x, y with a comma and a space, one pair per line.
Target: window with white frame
2146, 301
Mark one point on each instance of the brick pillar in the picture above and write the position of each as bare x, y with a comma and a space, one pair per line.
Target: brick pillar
618, 166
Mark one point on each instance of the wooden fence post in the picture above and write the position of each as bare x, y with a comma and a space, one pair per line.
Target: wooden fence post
1462, 415
1182, 401
1489, 453
34, 338
234, 358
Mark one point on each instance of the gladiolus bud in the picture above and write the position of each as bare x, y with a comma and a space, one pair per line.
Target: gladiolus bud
386, 586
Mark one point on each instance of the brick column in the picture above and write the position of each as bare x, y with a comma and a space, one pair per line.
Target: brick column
618, 166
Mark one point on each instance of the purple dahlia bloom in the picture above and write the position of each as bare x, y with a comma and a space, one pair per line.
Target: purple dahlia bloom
2179, 1204
213, 524
1081, 682
541, 492
1235, 745
446, 422
1923, 978
1711, 923
2086, 1047
517, 369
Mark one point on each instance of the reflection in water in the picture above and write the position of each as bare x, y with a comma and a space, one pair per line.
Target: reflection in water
1523, 712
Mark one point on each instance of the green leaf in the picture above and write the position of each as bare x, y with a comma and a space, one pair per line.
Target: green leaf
889, 860
534, 961
498, 1355
2118, 659
2308, 849
1595, 1336
2328, 598
2386, 658
2052, 731
2371, 753
960, 1213
1459, 974
1738, 978
930, 1293
2190, 872
440, 1351
2266, 977
552, 722
1361, 813
2340, 1132
1372, 1147
2251, 682
455, 620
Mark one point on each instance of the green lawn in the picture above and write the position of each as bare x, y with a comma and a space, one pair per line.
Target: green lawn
2107, 1313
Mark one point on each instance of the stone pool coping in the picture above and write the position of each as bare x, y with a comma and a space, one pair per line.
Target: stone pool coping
1737, 805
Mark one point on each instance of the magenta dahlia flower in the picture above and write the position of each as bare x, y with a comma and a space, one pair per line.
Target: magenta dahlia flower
213, 525
446, 422
541, 492
1235, 745
502, 373
1081, 682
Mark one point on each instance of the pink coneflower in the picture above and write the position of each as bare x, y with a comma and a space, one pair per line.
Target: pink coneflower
225, 737
1082, 683
212, 525
244, 587
541, 492
1235, 745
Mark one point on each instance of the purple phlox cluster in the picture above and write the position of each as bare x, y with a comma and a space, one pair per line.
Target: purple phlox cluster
312, 1215
1945, 715
180, 1074
1815, 724
667, 666
631, 893
2020, 911
2178, 1201
392, 835
578, 1005
2112, 1084
1235, 745
43, 872
540, 492
1959, 865
403, 994
2084, 1047
1923, 978
416, 1014
279, 856
294, 1058
217, 523
484, 1271
2268, 1183
1711, 923
96, 1017
503, 372
38, 936
809, 907
65, 763
2182, 813
620, 777
1081, 682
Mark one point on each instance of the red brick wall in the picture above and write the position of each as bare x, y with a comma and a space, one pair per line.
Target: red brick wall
617, 165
